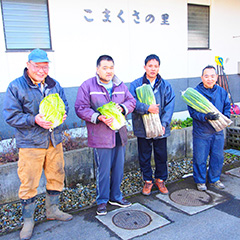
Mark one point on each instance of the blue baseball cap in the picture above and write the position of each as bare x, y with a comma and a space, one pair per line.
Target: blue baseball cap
38, 55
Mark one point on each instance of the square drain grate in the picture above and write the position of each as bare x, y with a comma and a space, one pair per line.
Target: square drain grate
191, 210
191, 197
131, 219
145, 221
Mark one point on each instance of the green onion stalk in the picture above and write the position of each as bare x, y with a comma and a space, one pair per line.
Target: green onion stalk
201, 104
151, 121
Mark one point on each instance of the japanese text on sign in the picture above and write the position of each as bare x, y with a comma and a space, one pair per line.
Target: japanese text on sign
150, 18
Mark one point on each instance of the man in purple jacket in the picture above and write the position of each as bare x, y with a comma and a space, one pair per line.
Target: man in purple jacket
109, 145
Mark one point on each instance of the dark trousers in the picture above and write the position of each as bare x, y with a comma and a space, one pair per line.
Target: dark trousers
159, 147
110, 166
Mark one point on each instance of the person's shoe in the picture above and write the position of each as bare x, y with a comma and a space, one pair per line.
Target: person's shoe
161, 186
201, 187
218, 184
102, 209
121, 203
147, 188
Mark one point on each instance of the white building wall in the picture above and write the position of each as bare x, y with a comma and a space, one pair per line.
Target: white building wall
77, 43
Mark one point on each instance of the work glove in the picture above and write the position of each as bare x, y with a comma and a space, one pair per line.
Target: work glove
212, 116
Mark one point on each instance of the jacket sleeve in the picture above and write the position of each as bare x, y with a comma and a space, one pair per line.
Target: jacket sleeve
83, 105
168, 108
129, 102
196, 115
227, 106
141, 108
13, 111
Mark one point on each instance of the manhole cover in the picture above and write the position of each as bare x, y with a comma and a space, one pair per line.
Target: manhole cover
131, 219
190, 197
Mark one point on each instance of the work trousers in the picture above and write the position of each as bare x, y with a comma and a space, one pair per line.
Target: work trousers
109, 173
30, 165
213, 146
159, 147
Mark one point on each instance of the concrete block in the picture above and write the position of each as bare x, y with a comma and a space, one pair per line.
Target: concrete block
79, 166
176, 144
131, 156
10, 183
189, 142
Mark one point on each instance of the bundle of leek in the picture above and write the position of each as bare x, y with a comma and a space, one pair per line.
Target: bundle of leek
201, 104
151, 121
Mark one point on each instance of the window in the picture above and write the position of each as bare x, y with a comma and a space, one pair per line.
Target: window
26, 24
198, 27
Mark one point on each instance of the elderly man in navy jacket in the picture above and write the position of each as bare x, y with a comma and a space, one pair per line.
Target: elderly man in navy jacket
164, 106
40, 147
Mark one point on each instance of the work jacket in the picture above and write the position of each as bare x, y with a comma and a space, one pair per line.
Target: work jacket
21, 105
164, 96
92, 95
219, 98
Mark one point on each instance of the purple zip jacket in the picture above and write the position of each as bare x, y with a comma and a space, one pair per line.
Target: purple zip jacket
91, 95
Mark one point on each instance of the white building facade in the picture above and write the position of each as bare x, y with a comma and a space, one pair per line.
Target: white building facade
186, 35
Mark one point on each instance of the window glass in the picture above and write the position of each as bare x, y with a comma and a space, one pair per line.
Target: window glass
26, 24
198, 26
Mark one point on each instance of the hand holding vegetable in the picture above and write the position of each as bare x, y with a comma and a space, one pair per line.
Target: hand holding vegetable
52, 109
41, 122
112, 116
201, 104
119, 107
64, 117
107, 121
154, 108
163, 130
212, 116
151, 121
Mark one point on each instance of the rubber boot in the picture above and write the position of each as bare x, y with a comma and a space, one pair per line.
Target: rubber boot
52, 211
28, 221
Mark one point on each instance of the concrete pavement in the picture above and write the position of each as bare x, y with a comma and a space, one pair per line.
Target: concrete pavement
217, 220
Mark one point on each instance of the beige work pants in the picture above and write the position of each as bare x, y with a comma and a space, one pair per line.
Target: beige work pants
30, 165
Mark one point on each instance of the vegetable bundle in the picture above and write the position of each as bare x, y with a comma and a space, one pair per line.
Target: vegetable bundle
110, 110
53, 107
201, 104
151, 121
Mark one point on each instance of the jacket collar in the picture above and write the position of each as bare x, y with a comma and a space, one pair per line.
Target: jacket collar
157, 82
115, 80
50, 83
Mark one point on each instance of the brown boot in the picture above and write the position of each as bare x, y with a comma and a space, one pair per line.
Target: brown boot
52, 211
147, 188
161, 186
28, 222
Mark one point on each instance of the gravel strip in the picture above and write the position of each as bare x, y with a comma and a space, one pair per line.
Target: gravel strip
84, 195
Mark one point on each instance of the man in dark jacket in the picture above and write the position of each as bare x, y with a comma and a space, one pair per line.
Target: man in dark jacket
206, 141
164, 106
109, 145
40, 146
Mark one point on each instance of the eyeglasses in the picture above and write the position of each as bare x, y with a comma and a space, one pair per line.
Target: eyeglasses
38, 68
208, 76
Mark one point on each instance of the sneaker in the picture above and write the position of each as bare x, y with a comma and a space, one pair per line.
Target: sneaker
121, 203
161, 186
147, 188
201, 187
218, 184
102, 209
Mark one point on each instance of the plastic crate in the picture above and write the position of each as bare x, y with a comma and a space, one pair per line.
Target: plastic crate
233, 137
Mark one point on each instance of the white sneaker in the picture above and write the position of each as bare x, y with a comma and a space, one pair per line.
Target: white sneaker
201, 187
218, 184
